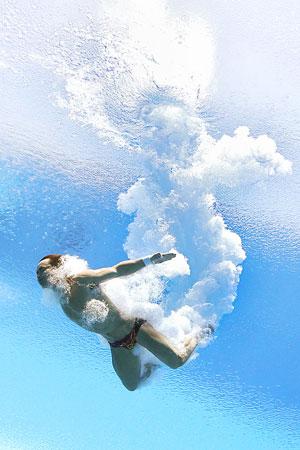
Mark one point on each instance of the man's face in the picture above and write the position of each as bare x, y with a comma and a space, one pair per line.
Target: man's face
42, 272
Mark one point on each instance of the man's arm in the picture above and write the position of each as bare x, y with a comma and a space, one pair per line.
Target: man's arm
121, 269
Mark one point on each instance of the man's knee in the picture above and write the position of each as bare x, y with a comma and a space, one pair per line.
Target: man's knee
130, 386
176, 362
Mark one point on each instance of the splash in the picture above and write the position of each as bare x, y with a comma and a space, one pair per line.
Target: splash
176, 208
117, 63
95, 312
140, 79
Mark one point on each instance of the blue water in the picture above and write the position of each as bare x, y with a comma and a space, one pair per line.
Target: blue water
58, 387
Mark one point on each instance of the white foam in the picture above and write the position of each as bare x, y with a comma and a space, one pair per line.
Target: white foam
140, 89
95, 311
70, 265
115, 64
175, 208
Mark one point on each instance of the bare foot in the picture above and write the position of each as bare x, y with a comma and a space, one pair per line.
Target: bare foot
190, 343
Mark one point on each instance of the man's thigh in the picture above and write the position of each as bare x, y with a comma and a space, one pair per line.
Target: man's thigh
158, 344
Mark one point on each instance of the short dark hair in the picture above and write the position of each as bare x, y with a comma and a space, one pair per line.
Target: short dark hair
54, 258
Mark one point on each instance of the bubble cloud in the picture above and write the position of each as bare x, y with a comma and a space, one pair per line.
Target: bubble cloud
142, 87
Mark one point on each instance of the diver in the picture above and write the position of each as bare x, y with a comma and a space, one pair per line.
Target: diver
84, 293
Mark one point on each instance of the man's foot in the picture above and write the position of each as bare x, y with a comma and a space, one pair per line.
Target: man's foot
190, 341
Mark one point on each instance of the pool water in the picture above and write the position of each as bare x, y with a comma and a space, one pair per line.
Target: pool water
69, 149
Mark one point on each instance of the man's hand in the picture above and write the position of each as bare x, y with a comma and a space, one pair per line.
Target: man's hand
158, 258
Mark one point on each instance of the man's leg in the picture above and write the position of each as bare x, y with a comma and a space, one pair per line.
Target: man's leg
127, 366
159, 345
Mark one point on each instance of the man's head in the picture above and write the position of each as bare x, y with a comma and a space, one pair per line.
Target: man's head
44, 267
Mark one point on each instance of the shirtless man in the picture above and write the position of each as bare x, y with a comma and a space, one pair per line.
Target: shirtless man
121, 331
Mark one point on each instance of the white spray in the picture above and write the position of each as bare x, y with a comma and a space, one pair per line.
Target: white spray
141, 87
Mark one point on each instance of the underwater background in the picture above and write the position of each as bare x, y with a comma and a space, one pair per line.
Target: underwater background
129, 128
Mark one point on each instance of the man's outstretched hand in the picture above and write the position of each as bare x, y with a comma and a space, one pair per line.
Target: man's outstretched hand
158, 258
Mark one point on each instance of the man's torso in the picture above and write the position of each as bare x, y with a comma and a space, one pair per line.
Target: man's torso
81, 307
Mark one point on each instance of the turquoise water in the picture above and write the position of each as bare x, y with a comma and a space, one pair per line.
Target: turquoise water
61, 177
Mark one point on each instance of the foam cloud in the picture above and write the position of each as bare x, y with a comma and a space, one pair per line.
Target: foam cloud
115, 64
234, 160
175, 209
140, 88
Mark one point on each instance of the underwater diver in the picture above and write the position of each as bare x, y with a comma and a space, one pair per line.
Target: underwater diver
121, 331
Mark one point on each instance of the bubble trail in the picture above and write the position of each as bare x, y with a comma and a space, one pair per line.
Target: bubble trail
140, 80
